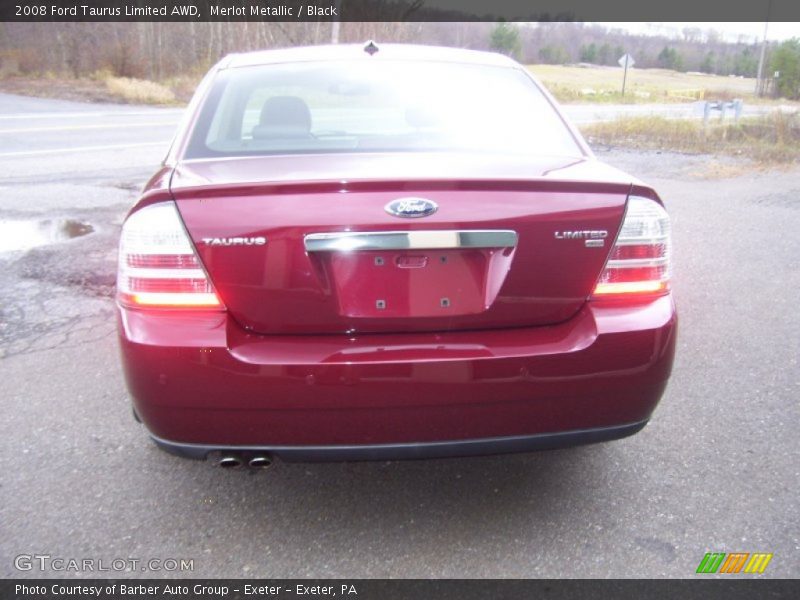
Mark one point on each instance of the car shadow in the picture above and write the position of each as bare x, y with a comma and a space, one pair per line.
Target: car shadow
366, 511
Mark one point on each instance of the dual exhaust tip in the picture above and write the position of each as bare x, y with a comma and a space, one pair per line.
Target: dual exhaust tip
238, 461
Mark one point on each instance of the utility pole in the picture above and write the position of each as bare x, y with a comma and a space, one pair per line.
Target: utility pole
335, 23
760, 75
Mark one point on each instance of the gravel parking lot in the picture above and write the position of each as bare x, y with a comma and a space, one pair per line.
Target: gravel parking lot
717, 469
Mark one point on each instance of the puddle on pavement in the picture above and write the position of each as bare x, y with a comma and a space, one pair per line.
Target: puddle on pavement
18, 234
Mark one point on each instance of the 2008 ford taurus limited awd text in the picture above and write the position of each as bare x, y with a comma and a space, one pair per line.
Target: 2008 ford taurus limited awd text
379, 252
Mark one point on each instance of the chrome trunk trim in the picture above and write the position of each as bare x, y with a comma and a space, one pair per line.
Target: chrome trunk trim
348, 241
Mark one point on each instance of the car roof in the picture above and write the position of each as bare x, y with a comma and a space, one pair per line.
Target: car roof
335, 52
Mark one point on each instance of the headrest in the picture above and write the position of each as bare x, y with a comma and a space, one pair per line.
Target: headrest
284, 117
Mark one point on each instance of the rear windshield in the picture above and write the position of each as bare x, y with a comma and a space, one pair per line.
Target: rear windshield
359, 106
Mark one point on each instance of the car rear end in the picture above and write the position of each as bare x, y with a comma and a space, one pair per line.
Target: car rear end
314, 284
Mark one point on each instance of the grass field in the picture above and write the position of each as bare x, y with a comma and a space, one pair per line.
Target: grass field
768, 140
567, 83
571, 84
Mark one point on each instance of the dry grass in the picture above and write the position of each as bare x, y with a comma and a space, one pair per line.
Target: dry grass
100, 87
568, 84
139, 91
768, 140
79, 90
183, 86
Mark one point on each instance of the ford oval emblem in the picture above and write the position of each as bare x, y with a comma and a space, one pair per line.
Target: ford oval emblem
411, 208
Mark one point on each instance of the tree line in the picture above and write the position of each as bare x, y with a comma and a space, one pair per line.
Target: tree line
563, 43
158, 50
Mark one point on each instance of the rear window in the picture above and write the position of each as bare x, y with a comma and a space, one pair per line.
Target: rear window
377, 106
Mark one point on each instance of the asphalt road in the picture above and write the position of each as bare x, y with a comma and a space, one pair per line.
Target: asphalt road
718, 468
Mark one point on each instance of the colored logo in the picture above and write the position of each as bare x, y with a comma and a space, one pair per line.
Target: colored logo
411, 208
734, 562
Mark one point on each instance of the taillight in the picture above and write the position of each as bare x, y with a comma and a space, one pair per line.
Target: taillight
639, 262
158, 266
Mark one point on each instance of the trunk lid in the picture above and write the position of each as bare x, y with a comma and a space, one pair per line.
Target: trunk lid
305, 244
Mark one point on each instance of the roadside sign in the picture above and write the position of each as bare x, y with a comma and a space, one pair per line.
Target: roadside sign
625, 61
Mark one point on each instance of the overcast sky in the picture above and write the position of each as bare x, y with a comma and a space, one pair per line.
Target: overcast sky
731, 31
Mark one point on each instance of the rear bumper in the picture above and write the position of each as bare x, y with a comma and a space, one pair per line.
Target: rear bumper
200, 384
501, 445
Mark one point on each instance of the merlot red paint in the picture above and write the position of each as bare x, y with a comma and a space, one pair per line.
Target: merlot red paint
396, 352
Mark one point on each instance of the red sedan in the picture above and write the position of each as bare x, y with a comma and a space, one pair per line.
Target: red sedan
380, 252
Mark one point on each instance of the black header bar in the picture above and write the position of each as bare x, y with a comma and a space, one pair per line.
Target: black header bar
402, 10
